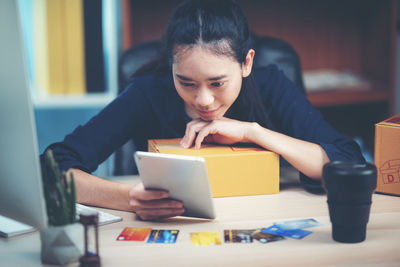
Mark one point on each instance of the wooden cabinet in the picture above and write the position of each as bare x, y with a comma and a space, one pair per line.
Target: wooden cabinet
353, 35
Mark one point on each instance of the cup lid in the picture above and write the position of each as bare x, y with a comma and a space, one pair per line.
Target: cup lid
350, 174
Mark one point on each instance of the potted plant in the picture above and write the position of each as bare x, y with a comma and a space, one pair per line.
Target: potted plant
62, 240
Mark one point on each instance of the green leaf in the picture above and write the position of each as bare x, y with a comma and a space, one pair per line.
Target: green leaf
72, 198
60, 196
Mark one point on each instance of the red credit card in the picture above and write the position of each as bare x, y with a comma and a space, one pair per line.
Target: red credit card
134, 234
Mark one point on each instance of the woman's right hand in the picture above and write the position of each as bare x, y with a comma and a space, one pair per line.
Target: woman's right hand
153, 204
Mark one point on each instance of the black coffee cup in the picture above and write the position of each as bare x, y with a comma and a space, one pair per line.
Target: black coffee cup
349, 187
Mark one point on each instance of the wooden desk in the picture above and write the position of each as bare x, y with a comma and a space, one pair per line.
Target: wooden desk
381, 247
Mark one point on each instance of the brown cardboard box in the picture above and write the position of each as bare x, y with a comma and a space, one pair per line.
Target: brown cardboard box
387, 155
232, 170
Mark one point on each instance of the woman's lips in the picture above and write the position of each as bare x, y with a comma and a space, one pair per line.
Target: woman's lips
207, 113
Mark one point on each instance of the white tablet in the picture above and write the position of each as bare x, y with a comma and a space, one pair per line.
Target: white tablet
184, 177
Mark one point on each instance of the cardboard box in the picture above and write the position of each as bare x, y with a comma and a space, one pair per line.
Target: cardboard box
387, 155
232, 170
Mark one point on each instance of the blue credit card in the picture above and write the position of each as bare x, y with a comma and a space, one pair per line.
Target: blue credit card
295, 233
297, 224
163, 236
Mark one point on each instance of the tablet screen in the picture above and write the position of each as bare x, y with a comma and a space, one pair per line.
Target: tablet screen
184, 177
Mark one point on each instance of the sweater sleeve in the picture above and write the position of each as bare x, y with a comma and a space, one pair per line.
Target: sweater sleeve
89, 145
292, 114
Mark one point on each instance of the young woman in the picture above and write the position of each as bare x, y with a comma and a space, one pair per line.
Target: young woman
202, 88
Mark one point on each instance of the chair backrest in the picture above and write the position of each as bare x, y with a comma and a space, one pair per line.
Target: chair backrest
269, 50
133, 58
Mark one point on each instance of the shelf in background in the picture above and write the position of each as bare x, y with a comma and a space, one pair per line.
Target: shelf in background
346, 96
72, 101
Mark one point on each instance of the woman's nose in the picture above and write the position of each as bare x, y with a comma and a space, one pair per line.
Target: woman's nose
204, 97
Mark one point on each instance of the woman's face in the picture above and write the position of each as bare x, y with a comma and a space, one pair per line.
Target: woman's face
208, 83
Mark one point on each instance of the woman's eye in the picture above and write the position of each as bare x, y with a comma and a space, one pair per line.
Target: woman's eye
217, 84
186, 84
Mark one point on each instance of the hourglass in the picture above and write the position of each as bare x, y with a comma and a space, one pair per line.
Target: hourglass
90, 223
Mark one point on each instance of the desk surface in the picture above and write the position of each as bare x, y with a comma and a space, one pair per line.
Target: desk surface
381, 247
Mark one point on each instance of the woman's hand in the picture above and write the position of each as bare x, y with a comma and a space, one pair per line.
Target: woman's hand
222, 131
153, 204
307, 157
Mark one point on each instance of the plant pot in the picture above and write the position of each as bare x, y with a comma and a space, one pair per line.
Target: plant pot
62, 244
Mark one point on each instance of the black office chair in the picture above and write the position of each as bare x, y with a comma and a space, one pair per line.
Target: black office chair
268, 51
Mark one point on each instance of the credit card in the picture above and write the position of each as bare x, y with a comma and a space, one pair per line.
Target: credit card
297, 224
163, 236
134, 234
205, 238
238, 236
295, 233
265, 237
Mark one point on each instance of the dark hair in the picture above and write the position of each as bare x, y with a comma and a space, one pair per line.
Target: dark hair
213, 24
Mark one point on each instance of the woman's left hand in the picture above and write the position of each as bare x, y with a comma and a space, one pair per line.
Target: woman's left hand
222, 131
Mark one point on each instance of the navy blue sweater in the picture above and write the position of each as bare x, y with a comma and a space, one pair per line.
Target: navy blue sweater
150, 108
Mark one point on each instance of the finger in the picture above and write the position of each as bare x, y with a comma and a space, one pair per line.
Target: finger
203, 133
190, 124
155, 204
191, 130
151, 214
150, 194
139, 192
190, 133
188, 128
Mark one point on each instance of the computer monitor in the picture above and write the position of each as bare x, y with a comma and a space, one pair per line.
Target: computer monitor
21, 191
